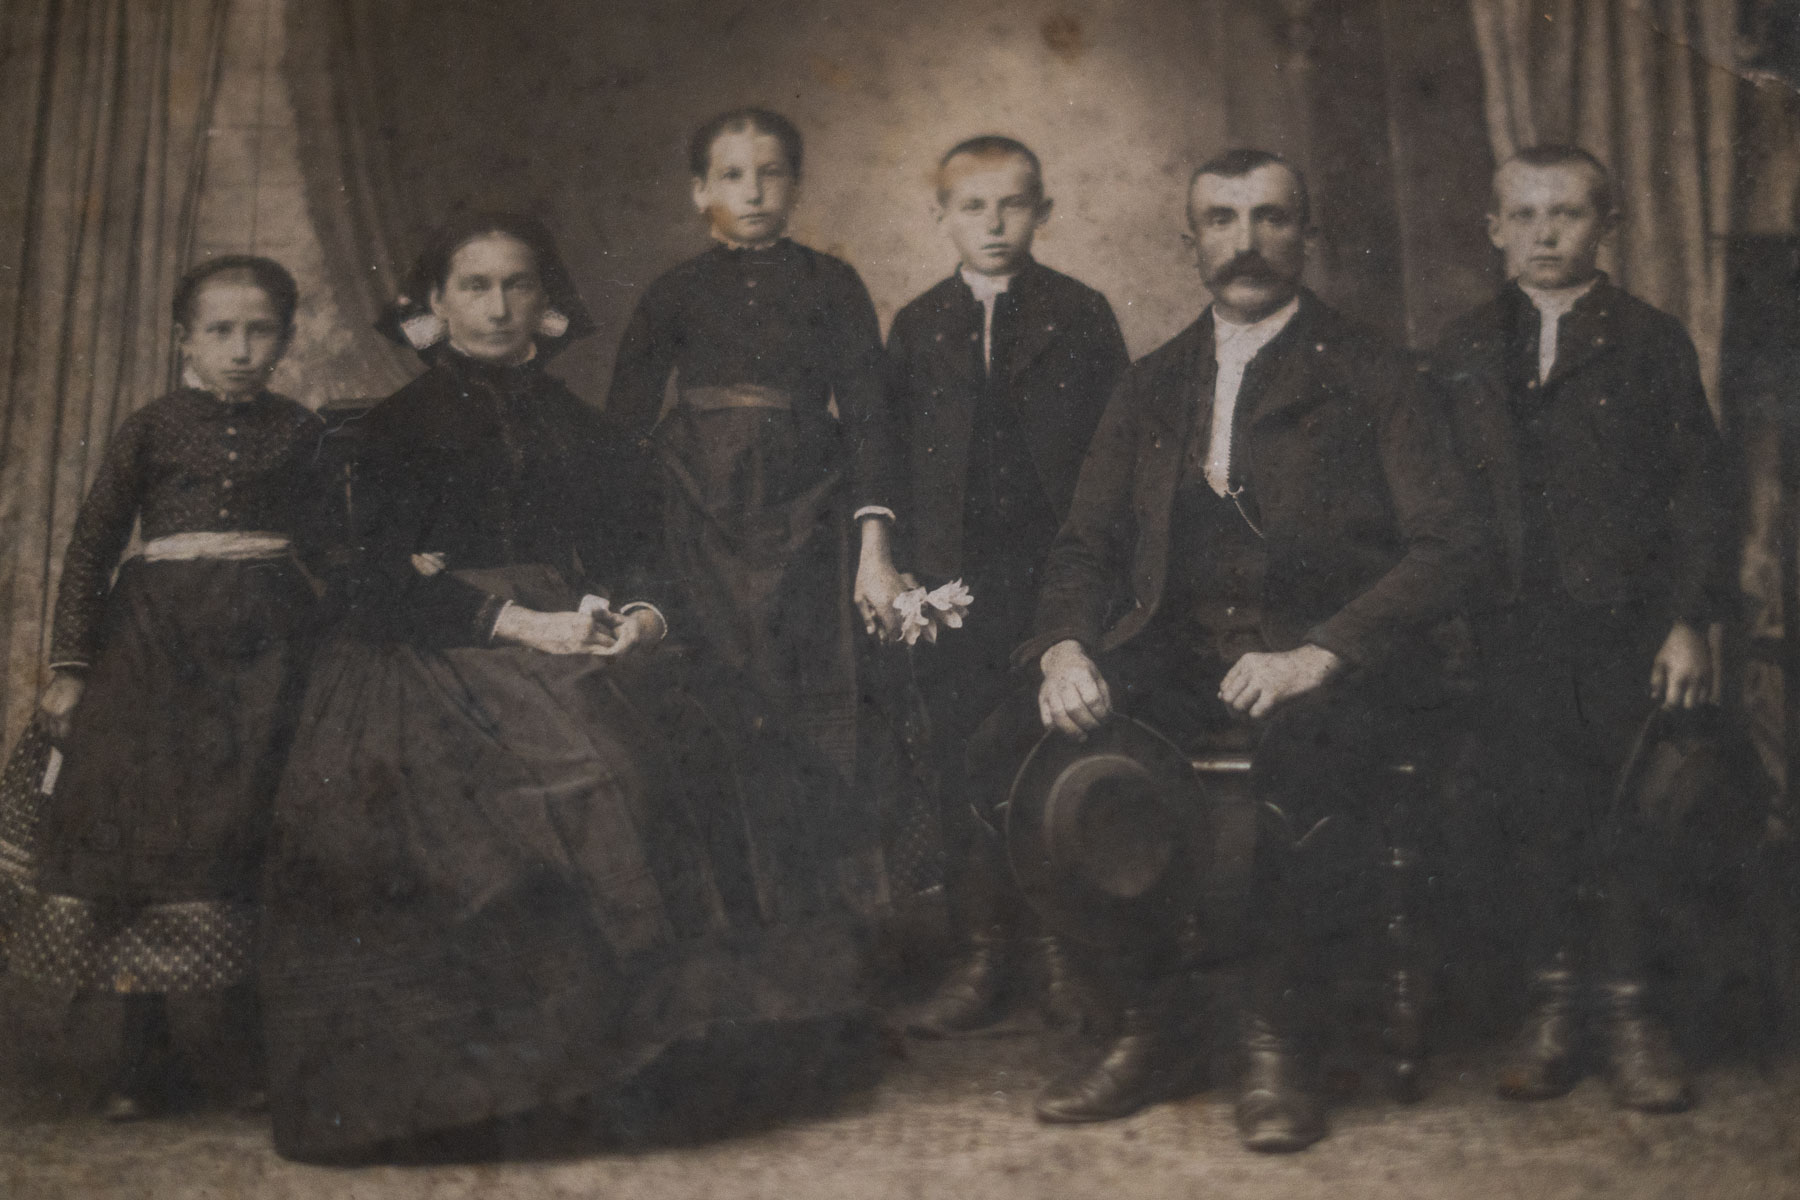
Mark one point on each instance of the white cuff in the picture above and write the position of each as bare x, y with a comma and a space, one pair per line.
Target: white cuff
646, 606
874, 510
498, 613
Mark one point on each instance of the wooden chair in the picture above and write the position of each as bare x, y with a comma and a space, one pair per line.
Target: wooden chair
1226, 777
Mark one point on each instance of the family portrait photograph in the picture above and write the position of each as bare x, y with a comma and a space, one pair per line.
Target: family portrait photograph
1030, 599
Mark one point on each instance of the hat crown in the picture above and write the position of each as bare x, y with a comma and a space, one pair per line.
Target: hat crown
1108, 821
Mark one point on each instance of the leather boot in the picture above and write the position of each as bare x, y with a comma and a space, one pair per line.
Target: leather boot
1544, 1060
1643, 1067
1278, 1111
1159, 1054
1066, 1002
971, 995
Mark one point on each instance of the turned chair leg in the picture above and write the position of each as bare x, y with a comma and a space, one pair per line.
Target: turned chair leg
1403, 1016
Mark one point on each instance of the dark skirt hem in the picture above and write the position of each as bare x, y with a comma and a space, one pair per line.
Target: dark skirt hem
388, 1054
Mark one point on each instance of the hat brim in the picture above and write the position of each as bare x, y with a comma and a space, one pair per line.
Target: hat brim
1073, 907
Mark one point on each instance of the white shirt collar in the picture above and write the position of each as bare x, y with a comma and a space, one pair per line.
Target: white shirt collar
1555, 302
986, 287
733, 244
1234, 346
1242, 342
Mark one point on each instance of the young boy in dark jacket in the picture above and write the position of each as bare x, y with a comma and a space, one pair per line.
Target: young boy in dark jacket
1582, 407
999, 375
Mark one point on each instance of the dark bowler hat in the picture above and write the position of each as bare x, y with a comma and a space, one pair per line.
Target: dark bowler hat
1110, 838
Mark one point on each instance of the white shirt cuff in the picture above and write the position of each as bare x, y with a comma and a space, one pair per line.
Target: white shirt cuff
498, 613
874, 510
646, 606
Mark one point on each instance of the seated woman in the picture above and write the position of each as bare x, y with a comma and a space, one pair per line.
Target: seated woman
525, 845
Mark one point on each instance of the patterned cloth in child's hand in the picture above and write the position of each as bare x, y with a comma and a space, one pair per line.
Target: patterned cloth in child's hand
922, 612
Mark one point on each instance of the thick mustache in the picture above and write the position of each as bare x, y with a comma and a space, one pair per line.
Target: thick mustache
1249, 265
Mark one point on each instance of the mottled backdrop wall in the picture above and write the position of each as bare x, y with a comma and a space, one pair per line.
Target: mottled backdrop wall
580, 112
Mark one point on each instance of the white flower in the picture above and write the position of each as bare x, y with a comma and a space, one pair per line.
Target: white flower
923, 613
913, 621
423, 329
950, 603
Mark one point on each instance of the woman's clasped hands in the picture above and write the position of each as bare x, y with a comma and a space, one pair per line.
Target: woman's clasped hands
594, 629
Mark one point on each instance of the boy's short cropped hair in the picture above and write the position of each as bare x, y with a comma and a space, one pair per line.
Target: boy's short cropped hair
1235, 164
275, 280
991, 145
742, 120
1559, 154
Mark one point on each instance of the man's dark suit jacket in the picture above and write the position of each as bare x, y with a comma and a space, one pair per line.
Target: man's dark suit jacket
1059, 368
1636, 485
1348, 466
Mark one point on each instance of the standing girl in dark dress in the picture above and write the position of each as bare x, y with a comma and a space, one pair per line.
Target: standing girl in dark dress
763, 335
175, 688
520, 850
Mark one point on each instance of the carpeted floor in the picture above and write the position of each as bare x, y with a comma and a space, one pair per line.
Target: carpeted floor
954, 1119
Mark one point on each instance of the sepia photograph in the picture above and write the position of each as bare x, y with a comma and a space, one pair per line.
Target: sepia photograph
856, 598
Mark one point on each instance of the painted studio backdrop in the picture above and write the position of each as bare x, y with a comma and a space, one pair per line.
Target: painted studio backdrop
330, 133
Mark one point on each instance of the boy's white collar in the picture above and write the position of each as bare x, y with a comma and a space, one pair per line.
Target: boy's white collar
733, 244
986, 287
1557, 301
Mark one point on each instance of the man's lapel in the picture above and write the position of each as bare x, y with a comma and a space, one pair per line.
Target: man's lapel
1492, 337
1283, 376
1033, 325
958, 330
1587, 332
1186, 392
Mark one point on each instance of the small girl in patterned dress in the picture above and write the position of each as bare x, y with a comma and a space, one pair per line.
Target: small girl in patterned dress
173, 696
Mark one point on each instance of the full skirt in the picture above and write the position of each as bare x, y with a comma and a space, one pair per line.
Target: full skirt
505, 880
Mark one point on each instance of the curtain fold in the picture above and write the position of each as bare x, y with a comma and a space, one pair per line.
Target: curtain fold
107, 103
1647, 86
332, 64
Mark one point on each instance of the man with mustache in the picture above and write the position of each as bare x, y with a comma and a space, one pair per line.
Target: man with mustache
1269, 518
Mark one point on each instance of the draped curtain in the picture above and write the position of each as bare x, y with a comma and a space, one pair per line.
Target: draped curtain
106, 104
333, 68
1646, 85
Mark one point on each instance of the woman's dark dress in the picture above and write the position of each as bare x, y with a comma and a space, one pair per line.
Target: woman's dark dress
762, 474
150, 850
505, 879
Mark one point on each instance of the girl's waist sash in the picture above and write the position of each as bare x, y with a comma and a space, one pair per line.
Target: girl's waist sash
228, 546
737, 395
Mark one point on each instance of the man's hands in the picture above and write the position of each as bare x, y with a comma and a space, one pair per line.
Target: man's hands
1681, 674
601, 633
58, 703
1257, 683
877, 582
1073, 699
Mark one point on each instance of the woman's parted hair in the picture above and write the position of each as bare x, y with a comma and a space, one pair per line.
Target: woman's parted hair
275, 281
431, 271
739, 120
